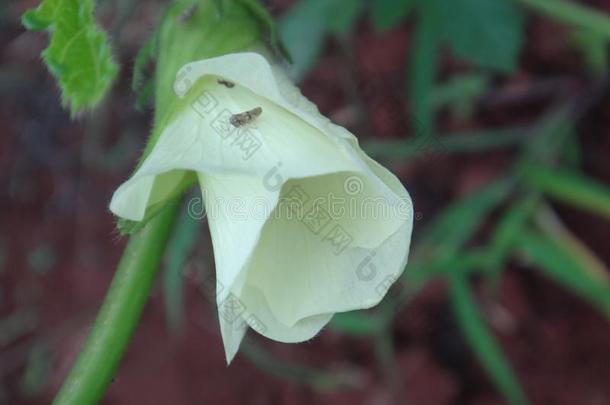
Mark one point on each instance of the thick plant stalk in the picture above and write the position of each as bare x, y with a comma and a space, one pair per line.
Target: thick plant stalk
120, 313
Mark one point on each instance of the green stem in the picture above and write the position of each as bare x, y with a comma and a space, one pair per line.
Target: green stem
572, 13
120, 313
386, 357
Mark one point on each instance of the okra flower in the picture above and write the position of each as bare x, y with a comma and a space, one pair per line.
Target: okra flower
303, 223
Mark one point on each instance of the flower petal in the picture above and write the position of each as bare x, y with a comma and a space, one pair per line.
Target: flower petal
350, 248
286, 269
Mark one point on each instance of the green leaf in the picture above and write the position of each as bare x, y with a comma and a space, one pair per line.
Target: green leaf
318, 379
219, 6
342, 16
78, 54
17, 325
593, 47
388, 13
482, 341
571, 151
303, 29
38, 370
461, 142
572, 188
453, 227
552, 226
467, 261
557, 262
423, 65
305, 26
488, 33
572, 12
179, 247
460, 93
357, 323
507, 231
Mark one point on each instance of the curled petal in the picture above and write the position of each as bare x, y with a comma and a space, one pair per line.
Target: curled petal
303, 223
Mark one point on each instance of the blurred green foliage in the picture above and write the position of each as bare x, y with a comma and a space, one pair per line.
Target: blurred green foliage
489, 35
389, 13
306, 25
481, 339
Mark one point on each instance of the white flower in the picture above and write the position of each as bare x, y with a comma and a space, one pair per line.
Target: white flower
303, 223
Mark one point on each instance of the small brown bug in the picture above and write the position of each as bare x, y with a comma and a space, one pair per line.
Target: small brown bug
226, 83
241, 119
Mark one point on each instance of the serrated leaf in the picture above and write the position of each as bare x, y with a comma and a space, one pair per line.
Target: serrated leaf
572, 188
388, 13
557, 262
78, 54
488, 33
482, 341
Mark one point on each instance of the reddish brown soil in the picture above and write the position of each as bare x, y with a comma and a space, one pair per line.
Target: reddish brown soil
54, 194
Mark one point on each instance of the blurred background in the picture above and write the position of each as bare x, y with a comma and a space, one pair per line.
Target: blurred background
493, 113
